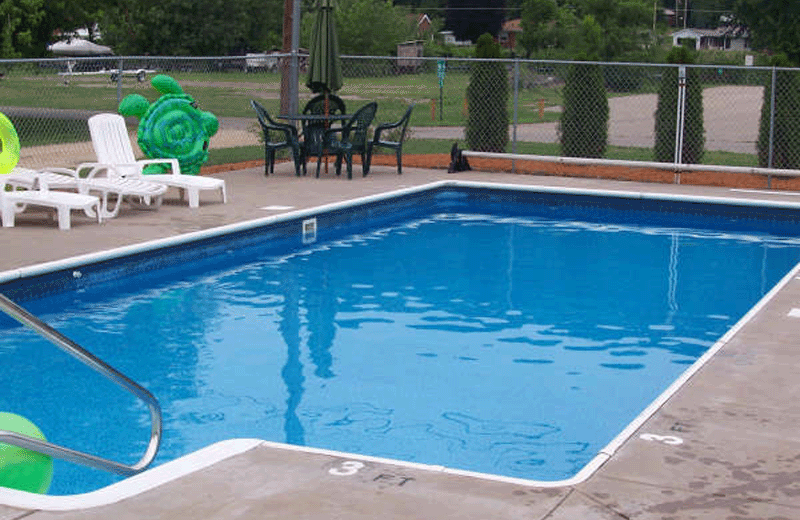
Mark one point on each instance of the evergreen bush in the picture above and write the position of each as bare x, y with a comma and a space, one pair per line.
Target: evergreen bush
667, 112
487, 99
584, 123
786, 134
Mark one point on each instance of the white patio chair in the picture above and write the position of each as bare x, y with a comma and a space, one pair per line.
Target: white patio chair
113, 188
113, 147
16, 201
25, 179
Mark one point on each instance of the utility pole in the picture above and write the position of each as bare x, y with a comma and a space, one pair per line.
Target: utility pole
289, 66
654, 17
685, 7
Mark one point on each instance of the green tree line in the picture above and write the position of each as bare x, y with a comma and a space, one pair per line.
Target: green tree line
374, 27
195, 27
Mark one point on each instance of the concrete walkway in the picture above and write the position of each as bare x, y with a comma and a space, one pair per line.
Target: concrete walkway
726, 446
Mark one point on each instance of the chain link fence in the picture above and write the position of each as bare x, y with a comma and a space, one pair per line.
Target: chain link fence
748, 116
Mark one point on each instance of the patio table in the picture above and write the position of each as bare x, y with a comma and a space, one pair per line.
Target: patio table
313, 120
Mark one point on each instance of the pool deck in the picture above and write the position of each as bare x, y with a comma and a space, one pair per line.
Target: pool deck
726, 445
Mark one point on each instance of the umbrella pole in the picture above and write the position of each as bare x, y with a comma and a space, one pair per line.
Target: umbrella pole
327, 110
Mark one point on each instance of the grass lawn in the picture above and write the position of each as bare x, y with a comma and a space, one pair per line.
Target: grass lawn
229, 94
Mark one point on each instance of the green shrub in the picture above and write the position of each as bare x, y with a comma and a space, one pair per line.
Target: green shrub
666, 112
624, 78
584, 122
786, 134
487, 99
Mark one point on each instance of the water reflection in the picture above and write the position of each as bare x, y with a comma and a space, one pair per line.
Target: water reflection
292, 372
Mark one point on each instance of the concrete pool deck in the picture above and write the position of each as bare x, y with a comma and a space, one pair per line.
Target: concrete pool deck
726, 445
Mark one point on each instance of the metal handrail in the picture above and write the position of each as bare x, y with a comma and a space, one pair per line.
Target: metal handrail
87, 358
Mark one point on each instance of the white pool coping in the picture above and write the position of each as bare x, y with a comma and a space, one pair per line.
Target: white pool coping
220, 451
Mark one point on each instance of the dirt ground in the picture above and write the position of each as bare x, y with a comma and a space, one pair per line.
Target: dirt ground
442, 161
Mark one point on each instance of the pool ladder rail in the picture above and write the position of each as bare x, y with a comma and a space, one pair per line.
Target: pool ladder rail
93, 362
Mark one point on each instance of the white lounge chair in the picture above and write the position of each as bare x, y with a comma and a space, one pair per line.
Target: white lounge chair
113, 147
25, 179
113, 188
16, 201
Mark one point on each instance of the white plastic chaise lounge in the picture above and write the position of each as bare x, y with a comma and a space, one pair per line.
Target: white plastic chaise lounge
25, 179
113, 147
16, 201
113, 188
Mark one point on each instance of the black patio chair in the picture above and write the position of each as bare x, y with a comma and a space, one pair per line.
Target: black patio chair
316, 105
313, 130
278, 136
350, 137
397, 146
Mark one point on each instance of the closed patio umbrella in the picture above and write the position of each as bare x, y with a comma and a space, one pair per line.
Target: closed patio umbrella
325, 66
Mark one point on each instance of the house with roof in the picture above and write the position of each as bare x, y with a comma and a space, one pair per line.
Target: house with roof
423, 24
507, 37
729, 37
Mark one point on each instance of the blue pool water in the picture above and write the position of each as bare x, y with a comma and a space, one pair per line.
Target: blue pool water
507, 342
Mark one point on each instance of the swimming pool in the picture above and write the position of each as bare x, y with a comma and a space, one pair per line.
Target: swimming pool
508, 305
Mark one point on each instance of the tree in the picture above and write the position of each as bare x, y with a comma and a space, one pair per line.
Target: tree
366, 27
190, 27
538, 25
584, 122
710, 14
666, 112
625, 25
487, 98
19, 22
372, 27
62, 17
773, 24
468, 19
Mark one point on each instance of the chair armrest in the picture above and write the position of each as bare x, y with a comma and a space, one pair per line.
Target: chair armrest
376, 137
93, 168
63, 171
388, 126
176, 168
288, 130
344, 130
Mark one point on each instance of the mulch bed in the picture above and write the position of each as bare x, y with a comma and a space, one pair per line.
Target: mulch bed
621, 173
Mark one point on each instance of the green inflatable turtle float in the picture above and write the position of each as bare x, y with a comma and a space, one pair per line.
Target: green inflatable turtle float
173, 126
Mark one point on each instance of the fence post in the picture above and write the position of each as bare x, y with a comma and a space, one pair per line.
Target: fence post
442, 72
771, 127
119, 80
516, 111
679, 120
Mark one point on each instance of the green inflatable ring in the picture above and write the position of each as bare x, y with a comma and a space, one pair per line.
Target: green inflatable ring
9, 145
23, 469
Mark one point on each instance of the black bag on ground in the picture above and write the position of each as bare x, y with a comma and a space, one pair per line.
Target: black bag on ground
458, 163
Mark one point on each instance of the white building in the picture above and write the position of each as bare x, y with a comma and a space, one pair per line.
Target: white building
733, 38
